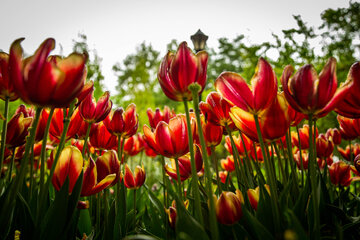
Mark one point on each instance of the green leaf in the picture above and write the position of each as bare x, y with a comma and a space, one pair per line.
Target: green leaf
254, 227
264, 211
295, 225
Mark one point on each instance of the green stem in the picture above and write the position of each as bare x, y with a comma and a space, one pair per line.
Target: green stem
301, 160
292, 163
166, 204
31, 184
279, 161
3, 133
135, 209
86, 139
216, 163
43, 148
313, 180
45, 189
11, 165
195, 89
98, 211
178, 178
240, 173
270, 178
194, 176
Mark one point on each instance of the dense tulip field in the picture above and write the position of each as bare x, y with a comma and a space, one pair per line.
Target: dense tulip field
76, 167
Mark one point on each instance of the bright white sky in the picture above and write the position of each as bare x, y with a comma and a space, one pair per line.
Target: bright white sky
115, 28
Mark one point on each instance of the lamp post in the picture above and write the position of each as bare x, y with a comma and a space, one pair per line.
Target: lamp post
199, 40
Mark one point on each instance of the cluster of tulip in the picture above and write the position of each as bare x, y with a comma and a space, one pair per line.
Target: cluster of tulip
80, 130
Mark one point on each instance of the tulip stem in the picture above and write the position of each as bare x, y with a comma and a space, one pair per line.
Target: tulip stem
313, 180
3, 133
279, 162
45, 189
216, 163
178, 178
135, 210
194, 176
195, 89
301, 159
292, 162
247, 160
270, 178
164, 192
240, 174
8, 206
86, 139
11, 164
43, 148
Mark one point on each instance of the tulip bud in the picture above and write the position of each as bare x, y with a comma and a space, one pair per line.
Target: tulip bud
340, 174
17, 130
324, 147
254, 195
334, 135
70, 165
136, 180
93, 112
124, 124
228, 208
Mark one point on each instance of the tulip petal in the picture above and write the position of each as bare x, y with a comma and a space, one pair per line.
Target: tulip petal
103, 184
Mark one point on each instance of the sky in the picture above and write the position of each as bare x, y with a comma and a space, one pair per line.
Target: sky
116, 27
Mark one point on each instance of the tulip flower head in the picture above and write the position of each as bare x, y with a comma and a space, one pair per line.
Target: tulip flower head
46, 81
70, 164
100, 138
252, 99
158, 116
107, 164
170, 140
274, 121
334, 135
216, 110
17, 130
310, 93
123, 124
254, 195
350, 105
136, 180
304, 137
340, 174
228, 208
94, 182
185, 165
6, 85
57, 124
178, 71
239, 144
92, 111
134, 145
349, 127
324, 147
349, 153
171, 212
228, 164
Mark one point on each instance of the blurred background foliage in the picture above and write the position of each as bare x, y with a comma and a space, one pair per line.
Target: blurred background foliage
337, 36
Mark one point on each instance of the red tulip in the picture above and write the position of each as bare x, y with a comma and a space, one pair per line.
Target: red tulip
340, 173
6, 83
134, 145
100, 137
57, 124
228, 208
70, 165
357, 164
254, 195
136, 180
349, 128
295, 116
158, 116
309, 93
228, 164
178, 71
216, 110
86, 90
93, 112
252, 99
304, 159
347, 154
185, 165
107, 164
324, 147
223, 176
304, 137
239, 145
17, 130
274, 121
334, 135
92, 183
149, 151
212, 133
124, 124
45, 80
170, 140
171, 212
350, 105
